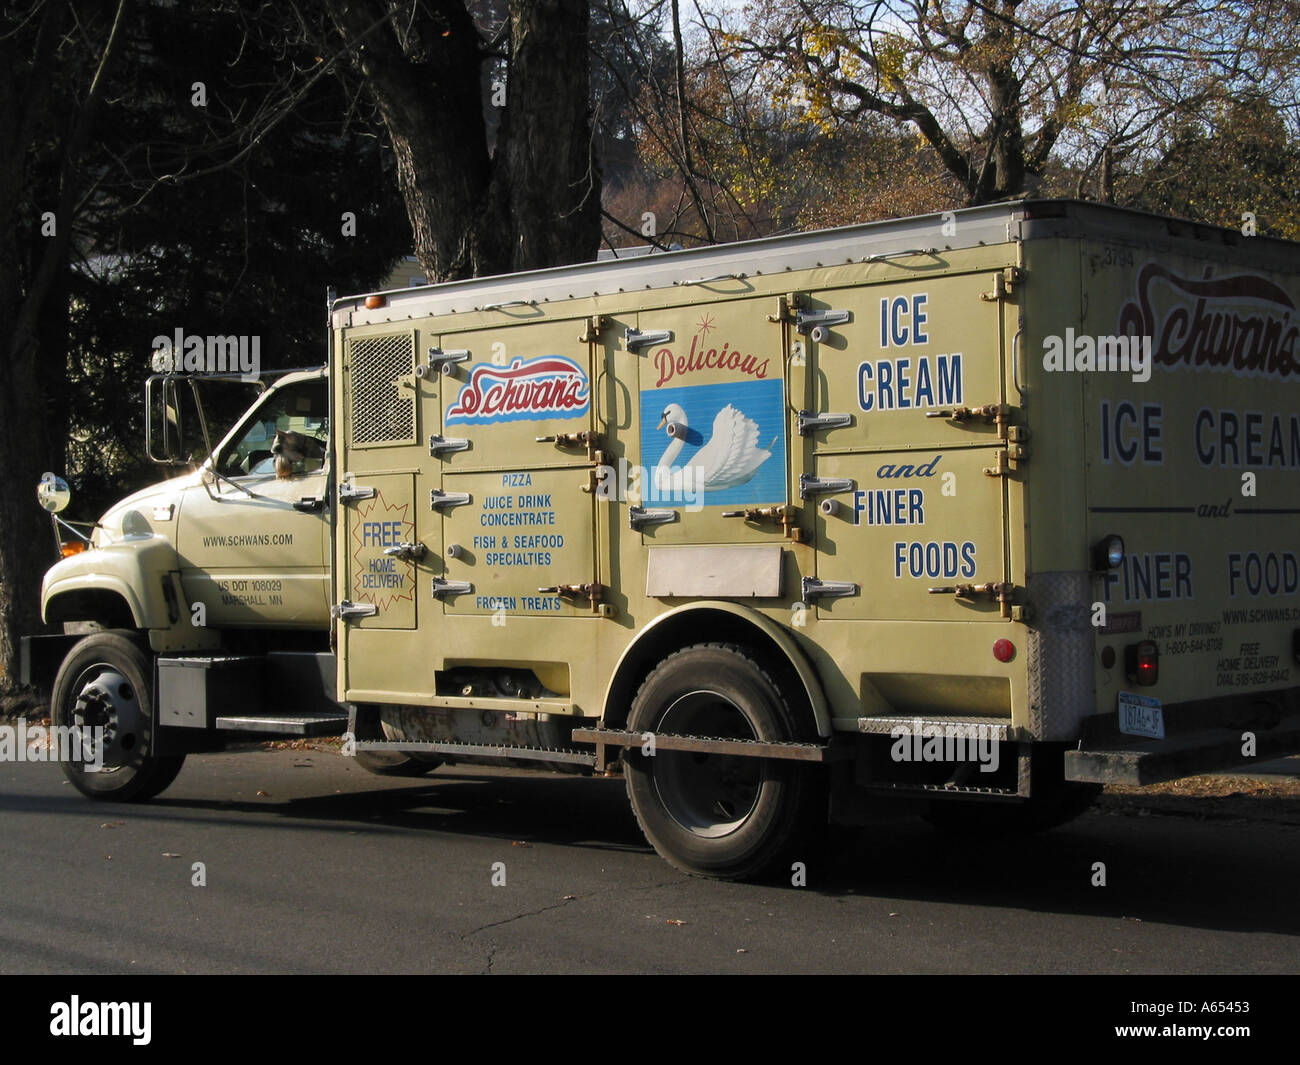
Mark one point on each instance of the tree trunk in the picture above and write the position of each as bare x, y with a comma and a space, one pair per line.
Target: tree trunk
554, 183
26, 542
26, 375
39, 152
33, 382
535, 202
424, 77
1003, 173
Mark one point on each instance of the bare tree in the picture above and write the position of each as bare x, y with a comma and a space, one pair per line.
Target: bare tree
999, 88
714, 154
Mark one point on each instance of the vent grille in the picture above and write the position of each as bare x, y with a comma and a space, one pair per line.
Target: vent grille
382, 413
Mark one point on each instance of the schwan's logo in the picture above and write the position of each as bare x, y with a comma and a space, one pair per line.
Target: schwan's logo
547, 387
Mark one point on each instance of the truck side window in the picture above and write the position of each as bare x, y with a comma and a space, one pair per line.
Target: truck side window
301, 409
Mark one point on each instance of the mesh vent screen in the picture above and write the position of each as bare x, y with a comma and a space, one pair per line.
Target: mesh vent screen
382, 413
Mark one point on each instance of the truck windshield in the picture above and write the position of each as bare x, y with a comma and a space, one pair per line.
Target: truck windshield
301, 409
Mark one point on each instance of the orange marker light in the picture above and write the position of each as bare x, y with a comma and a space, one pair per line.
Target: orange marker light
373, 303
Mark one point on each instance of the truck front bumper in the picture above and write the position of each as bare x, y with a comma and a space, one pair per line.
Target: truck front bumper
39, 658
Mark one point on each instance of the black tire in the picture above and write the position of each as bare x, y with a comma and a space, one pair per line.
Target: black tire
395, 764
107, 680
713, 815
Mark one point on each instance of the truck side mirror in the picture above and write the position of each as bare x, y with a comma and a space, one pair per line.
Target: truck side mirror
53, 493
163, 423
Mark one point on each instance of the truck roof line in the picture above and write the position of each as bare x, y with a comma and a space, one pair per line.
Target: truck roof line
872, 241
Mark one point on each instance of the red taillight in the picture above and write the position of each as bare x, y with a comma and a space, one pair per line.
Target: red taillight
1004, 650
1142, 662
72, 547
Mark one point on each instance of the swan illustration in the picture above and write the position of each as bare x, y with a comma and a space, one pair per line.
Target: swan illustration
731, 457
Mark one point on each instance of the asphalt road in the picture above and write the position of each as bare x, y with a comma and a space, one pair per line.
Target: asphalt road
313, 865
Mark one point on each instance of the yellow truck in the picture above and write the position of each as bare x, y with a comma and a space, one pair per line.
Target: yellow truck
974, 511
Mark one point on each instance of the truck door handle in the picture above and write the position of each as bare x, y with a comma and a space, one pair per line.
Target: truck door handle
310, 503
407, 552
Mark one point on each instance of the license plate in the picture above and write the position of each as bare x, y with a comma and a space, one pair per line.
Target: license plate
1140, 715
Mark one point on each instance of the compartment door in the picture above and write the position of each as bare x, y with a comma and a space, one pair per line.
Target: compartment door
912, 514
377, 580
516, 501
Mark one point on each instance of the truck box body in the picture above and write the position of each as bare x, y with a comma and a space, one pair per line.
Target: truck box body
979, 459
978, 510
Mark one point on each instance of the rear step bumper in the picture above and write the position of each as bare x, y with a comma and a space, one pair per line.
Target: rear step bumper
1153, 761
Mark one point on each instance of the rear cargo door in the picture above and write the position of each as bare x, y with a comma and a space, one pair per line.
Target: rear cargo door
1193, 449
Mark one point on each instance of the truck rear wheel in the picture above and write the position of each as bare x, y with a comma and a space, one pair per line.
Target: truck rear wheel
719, 815
104, 692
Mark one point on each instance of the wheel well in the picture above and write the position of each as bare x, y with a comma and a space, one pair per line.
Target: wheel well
91, 604
704, 626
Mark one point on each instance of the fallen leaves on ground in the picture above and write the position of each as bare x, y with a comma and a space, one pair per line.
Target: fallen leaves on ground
315, 743
1253, 798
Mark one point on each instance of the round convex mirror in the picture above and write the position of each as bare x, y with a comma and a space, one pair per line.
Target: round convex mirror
53, 492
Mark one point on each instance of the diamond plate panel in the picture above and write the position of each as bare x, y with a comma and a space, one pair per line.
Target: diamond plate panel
1061, 671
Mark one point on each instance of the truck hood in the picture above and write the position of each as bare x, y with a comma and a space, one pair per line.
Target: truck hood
152, 511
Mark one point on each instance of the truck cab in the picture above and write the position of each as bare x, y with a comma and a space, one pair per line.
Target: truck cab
199, 604
252, 542
231, 544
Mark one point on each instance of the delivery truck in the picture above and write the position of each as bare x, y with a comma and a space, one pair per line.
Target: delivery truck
976, 512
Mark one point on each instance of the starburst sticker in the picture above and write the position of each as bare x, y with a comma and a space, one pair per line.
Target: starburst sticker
376, 577
705, 324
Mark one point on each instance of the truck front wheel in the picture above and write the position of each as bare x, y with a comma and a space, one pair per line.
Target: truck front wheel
104, 694
722, 816
395, 764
